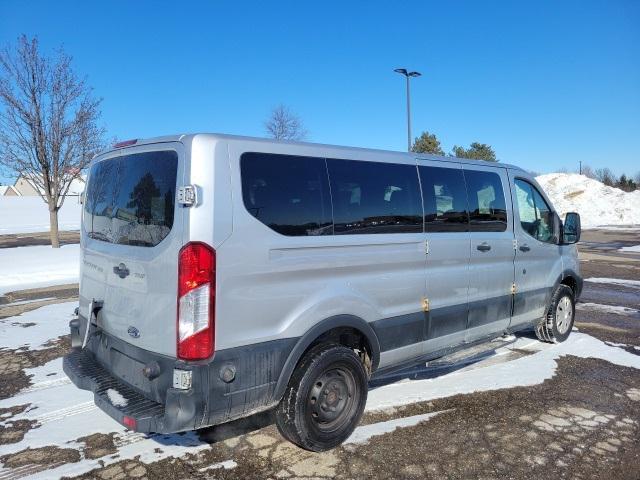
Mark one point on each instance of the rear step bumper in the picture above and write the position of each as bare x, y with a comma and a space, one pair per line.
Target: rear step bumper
124, 404
113, 370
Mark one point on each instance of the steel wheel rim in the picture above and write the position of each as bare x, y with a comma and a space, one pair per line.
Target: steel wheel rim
564, 313
332, 399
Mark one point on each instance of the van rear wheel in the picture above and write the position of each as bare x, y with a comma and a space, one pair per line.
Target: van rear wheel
556, 325
325, 398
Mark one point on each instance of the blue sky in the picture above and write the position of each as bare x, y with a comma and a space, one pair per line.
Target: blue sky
546, 83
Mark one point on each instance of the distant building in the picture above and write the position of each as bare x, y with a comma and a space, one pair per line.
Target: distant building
8, 191
26, 187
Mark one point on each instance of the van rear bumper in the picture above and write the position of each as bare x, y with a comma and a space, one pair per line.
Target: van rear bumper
126, 405
114, 371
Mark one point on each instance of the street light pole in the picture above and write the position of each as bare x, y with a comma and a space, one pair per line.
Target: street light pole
408, 75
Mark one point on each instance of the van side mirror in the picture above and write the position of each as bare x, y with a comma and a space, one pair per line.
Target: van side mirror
571, 229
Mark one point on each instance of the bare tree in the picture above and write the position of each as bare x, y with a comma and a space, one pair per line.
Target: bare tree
605, 175
588, 172
284, 124
48, 122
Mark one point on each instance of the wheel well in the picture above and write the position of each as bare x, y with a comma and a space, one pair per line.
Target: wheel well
571, 283
349, 337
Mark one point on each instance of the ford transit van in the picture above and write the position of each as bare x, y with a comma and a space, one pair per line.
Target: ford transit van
223, 276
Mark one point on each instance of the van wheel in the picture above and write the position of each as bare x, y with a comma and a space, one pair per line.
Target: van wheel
556, 325
325, 398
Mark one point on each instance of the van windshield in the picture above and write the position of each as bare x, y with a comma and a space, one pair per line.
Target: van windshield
130, 199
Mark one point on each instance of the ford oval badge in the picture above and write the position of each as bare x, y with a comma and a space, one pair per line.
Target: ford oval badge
134, 332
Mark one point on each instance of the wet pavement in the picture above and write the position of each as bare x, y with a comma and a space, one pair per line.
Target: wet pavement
579, 420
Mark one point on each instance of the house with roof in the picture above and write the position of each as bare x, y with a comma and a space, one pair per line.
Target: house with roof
8, 191
26, 187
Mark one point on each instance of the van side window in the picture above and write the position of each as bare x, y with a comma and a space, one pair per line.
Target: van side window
536, 217
487, 207
290, 194
372, 197
445, 199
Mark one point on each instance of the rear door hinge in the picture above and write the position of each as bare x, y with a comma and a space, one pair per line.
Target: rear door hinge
426, 247
515, 243
425, 304
513, 289
188, 195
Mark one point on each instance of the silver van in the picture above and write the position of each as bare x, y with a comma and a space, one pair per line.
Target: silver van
222, 276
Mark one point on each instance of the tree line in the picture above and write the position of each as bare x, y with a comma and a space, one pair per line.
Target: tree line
428, 143
606, 176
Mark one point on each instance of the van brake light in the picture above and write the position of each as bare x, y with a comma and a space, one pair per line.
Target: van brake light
125, 143
196, 301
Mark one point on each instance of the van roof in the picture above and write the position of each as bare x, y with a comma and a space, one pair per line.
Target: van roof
182, 137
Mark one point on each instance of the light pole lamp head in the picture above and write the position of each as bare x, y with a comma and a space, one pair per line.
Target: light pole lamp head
414, 74
403, 71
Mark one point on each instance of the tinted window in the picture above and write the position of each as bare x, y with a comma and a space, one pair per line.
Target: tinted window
445, 199
130, 199
487, 209
290, 194
536, 217
371, 197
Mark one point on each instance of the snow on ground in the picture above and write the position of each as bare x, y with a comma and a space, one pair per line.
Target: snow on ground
524, 371
32, 330
363, 434
64, 413
31, 214
599, 307
633, 248
41, 266
614, 281
596, 203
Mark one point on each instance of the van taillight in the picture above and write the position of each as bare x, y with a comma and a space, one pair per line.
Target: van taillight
196, 301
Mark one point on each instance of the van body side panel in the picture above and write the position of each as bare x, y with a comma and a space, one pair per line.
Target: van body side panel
276, 286
211, 221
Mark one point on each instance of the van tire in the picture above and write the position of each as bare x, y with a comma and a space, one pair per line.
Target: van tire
324, 399
557, 323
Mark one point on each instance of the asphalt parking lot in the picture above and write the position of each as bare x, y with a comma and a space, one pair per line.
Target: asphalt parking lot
514, 409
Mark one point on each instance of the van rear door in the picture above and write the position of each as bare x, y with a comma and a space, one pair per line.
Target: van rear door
131, 237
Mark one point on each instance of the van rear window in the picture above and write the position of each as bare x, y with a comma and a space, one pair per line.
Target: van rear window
130, 199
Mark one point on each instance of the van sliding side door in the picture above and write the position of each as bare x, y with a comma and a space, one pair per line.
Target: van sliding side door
447, 278
491, 264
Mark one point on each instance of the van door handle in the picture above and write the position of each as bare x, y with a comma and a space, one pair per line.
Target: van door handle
524, 248
484, 247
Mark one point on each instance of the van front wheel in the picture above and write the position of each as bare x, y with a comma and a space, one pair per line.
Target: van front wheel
556, 325
325, 398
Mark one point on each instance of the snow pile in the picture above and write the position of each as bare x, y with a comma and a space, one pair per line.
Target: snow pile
34, 267
31, 214
596, 203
